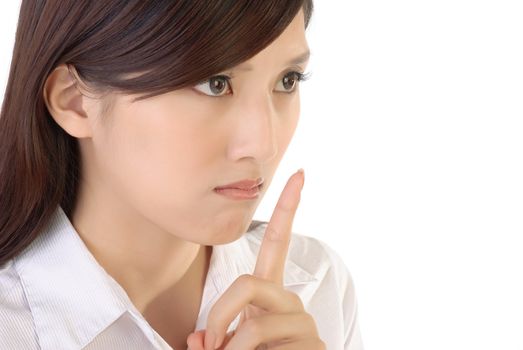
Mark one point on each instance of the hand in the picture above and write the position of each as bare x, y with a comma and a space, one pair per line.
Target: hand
271, 316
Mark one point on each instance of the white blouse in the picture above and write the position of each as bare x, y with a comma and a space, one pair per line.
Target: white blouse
54, 295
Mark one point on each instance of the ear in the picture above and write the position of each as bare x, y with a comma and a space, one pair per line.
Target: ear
66, 104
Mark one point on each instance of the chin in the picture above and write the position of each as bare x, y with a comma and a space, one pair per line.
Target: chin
230, 232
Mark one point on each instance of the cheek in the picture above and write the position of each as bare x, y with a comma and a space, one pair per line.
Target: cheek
158, 160
289, 109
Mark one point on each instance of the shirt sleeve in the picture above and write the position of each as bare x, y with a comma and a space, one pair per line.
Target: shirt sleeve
352, 334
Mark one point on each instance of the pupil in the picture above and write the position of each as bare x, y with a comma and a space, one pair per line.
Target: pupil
286, 80
217, 85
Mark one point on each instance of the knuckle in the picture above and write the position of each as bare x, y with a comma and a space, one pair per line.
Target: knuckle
273, 234
285, 207
309, 324
246, 282
310, 321
296, 300
320, 345
245, 278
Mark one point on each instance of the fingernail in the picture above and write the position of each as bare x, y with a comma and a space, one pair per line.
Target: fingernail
303, 175
210, 339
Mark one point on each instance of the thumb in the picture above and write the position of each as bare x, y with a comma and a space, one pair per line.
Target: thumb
195, 340
225, 341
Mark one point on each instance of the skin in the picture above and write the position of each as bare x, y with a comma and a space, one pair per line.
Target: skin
271, 316
136, 212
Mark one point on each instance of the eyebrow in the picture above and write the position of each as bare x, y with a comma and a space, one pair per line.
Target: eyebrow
301, 58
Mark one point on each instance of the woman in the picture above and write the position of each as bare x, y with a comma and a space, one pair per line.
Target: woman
125, 128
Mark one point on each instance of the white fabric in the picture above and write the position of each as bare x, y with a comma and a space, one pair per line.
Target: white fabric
54, 295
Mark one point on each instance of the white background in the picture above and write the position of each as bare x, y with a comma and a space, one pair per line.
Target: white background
411, 137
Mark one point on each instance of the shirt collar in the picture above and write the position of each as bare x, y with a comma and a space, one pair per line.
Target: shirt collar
239, 257
72, 298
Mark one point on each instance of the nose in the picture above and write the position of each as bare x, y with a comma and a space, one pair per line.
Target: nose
254, 134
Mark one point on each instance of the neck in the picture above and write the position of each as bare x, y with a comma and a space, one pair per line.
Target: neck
145, 260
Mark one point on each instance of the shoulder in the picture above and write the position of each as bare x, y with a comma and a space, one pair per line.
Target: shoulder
17, 331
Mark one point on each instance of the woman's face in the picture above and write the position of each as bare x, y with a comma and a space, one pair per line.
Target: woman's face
163, 156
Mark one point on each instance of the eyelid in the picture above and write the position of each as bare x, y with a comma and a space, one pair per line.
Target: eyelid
230, 73
301, 76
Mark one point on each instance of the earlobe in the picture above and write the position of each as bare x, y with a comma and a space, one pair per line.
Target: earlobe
65, 103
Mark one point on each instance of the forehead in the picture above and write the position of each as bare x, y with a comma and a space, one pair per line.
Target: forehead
290, 43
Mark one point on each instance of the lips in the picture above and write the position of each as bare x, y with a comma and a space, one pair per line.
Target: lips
246, 184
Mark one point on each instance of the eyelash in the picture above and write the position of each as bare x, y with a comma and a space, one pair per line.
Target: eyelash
299, 78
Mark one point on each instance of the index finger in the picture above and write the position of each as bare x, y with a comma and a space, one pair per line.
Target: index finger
273, 250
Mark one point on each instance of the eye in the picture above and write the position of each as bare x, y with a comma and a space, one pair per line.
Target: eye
214, 86
291, 80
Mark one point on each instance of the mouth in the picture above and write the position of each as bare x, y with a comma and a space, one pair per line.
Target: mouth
237, 193
246, 184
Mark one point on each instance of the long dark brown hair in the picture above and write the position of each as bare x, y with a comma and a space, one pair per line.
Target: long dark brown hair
178, 43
